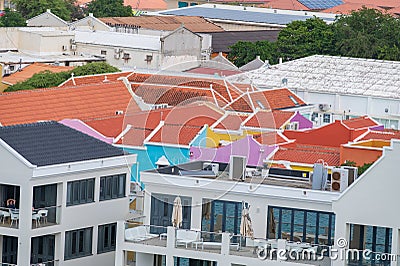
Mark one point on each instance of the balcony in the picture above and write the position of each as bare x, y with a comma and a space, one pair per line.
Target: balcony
42, 217
227, 244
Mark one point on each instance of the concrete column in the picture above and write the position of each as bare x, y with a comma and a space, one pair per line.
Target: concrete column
281, 252
170, 237
25, 224
196, 212
119, 252
147, 207
395, 245
225, 244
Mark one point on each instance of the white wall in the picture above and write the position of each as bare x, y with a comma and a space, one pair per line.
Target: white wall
372, 199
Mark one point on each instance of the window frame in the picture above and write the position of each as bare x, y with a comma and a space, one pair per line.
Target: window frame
111, 237
75, 191
72, 239
110, 187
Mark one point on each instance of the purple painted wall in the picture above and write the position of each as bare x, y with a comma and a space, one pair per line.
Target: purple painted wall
254, 151
82, 127
377, 128
304, 123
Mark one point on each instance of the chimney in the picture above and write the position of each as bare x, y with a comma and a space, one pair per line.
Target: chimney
258, 57
48, 10
280, 60
90, 14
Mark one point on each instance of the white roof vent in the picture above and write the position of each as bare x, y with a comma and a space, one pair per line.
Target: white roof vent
163, 161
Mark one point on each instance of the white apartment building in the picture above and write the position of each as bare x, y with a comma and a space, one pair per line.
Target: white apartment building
285, 211
338, 87
69, 190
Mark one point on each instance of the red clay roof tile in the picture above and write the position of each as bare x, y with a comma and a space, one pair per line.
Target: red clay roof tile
308, 154
80, 102
28, 71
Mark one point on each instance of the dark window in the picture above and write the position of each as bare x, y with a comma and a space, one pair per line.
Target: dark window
301, 225
103, 52
10, 250
107, 238
42, 249
220, 216
80, 192
78, 243
161, 212
326, 118
112, 187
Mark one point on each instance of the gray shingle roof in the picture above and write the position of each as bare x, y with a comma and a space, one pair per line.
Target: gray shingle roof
49, 143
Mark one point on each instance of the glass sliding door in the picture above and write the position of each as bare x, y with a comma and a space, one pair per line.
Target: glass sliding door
220, 216
161, 212
300, 225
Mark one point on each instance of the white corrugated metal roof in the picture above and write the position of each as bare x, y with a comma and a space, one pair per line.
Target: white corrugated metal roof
117, 39
331, 74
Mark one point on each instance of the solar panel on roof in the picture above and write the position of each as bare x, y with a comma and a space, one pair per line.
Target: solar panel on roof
239, 15
320, 4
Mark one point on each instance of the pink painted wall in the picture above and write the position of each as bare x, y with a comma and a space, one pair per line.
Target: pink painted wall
82, 127
254, 151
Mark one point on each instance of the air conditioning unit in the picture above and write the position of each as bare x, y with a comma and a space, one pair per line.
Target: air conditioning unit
64, 48
237, 167
324, 107
339, 179
214, 167
117, 56
126, 56
73, 47
353, 173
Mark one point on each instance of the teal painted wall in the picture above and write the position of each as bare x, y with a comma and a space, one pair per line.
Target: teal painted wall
146, 159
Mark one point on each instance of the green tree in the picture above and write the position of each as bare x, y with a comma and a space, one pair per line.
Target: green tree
305, 38
77, 12
12, 19
47, 79
367, 33
109, 8
29, 8
243, 52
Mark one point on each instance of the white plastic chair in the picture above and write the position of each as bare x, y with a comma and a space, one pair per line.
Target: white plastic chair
14, 218
4, 215
36, 217
43, 215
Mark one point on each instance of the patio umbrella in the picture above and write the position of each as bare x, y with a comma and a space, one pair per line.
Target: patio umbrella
177, 213
246, 228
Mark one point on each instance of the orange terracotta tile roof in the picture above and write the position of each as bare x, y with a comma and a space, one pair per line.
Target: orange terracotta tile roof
267, 99
271, 138
380, 135
79, 102
94, 79
177, 89
308, 154
269, 119
108, 126
182, 125
146, 4
231, 122
380, 3
143, 4
28, 71
347, 8
332, 135
360, 122
285, 4
165, 23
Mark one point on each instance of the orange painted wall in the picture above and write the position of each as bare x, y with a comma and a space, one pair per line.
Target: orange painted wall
359, 155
